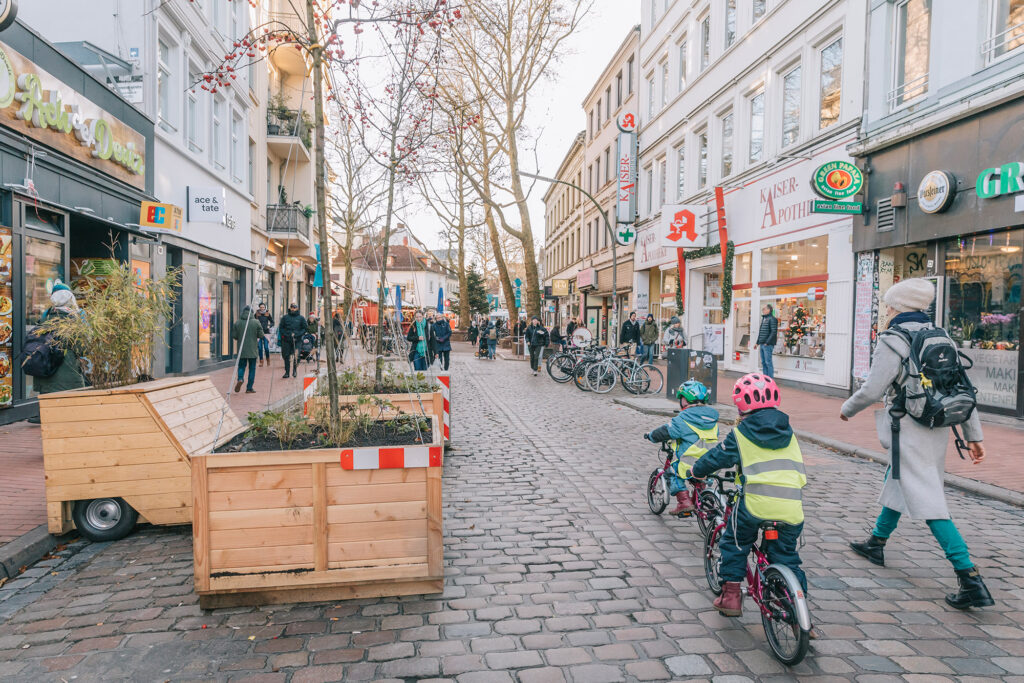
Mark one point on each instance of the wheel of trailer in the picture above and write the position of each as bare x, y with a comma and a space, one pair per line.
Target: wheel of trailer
104, 519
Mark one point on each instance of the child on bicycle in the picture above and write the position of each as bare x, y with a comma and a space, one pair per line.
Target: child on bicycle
694, 430
771, 471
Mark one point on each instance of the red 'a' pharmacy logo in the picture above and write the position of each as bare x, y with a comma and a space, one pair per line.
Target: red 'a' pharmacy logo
684, 224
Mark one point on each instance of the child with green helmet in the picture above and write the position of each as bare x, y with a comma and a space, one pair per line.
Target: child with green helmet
694, 430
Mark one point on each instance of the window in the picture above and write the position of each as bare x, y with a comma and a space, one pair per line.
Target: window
192, 116
680, 172
163, 82
590, 124
236, 148
702, 159
662, 182
760, 7
1008, 31
607, 164
831, 84
608, 103
629, 76
682, 65
218, 15
650, 190
664, 83
913, 32
650, 97
791, 107
219, 106
597, 173
727, 129
756, 127
252, 168
654, 12
730, 22
705, 42
590, 178
618, 90
805, 261
598, 120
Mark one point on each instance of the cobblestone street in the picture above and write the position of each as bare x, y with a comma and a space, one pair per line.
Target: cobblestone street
555, 570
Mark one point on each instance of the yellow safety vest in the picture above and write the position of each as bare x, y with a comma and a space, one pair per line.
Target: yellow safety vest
772, 480
706, 438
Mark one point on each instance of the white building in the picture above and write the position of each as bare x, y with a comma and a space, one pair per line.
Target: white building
752, 97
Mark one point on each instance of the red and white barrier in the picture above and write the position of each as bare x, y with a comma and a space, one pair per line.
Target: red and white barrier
400, 457
309, 383
446, 393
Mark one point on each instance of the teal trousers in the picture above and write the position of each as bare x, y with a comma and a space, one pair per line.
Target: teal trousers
944, 531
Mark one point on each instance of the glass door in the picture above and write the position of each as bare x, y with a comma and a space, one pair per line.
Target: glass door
226, 306
44, 259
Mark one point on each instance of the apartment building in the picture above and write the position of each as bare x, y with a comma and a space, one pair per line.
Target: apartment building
754, 97
563, 229
943, 141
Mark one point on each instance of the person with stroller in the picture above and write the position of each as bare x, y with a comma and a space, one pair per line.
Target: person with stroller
289, 336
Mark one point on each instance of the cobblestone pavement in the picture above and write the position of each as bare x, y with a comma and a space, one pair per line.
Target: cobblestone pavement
556, 571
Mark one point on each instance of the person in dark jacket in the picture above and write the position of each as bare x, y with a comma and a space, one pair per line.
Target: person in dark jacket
417, 338
338, 329
431, 342
767, 337
648, 338
248, 332
266, 321
473, 332
289, 333
68, 375
442, 340
537, 339
493, 333
557, 338
630, 333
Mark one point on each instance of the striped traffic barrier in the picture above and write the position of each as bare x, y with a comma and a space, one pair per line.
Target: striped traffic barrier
446, 393
385, 458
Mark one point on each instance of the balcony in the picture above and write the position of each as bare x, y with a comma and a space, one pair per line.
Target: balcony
285, 56
289, 133
288, 223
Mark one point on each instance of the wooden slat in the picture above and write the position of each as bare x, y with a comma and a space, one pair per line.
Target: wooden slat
58, 518
358, 564
262, 537
67, 461
314, 578
175, 390
65, 400
196, 406
253, 519
117, 488
319, 516
261, 458
329, 593
371, 531
118, 473
180, 515
368, 550
268, 557
376, 512
129, 390
200, 527
435, 537
122, 410
161, 501
127, 442
169, 406
375, 493
261, 500
287, 477
75, 430
339, 477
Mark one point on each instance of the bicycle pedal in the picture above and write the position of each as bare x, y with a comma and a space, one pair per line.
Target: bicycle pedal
684, 515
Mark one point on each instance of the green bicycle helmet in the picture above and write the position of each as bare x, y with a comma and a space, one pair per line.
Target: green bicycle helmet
693, 391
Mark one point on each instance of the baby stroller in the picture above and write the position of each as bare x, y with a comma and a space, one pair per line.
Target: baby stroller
481, 351
307, 346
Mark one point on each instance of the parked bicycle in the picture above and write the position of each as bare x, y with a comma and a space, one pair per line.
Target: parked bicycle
637, 377
709, 503
774, 588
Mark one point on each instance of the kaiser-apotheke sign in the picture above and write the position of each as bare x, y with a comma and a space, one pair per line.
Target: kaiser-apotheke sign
205, 204
626, 172
42, 107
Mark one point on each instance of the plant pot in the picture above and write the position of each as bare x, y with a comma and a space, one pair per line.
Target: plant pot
273, 129
965, 344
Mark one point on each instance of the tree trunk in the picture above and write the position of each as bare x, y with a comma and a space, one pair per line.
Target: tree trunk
492, 227
321, 205
378, 373
529, 256
464, 314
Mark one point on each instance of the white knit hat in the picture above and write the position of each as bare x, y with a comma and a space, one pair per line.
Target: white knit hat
61, 297
914, 294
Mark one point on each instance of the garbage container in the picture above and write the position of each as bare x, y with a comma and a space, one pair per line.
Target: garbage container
686, 364
675, 372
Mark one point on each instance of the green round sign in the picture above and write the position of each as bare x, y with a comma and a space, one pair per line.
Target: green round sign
837, 180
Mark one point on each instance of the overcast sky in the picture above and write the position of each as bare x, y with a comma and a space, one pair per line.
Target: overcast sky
556, 109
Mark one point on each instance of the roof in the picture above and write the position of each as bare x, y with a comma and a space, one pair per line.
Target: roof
400, 258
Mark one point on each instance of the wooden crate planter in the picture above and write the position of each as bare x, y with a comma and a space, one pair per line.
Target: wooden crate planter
132, 442
317, 525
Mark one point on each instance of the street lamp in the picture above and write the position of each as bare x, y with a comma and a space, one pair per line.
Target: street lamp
615, 266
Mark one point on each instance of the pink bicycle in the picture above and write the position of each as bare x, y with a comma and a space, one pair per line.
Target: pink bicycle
774, 588
708, 502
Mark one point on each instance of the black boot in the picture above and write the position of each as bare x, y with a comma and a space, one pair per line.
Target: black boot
973, 592
872, 549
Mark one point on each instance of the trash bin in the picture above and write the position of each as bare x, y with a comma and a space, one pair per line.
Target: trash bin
686, 364
675, 372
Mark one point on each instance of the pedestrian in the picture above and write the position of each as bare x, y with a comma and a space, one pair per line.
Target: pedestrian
571, 327
443, 340
248, 332
431, 339
313, 328
339, 335
492, 339
648, 338
68, 374
473, 332
417, 338
557, 338
767, 337
675, 336
918, 487
537, 338
266, 321
630, 333
289, 333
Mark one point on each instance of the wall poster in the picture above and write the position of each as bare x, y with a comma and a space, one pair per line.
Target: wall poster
6, 320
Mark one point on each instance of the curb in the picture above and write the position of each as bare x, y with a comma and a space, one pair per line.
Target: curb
956, 481
25, 550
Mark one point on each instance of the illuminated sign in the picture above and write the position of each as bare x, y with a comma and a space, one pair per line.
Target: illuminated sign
160, 217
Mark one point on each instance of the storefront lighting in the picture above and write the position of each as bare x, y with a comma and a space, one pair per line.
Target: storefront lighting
1009, 249
793, 257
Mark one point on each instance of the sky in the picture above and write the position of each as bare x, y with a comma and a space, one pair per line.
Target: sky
556, 106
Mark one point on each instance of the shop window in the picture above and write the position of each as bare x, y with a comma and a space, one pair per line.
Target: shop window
712, 299
794, 280
801, 260
741, 269
983, 301
741, 340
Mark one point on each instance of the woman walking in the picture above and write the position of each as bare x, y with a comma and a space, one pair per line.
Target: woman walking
442, 340
918, 490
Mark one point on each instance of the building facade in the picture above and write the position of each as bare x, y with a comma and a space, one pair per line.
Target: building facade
752, 98
563, 227
942, 143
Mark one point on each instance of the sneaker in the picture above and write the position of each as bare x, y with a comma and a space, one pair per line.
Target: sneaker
250, 391
238, 386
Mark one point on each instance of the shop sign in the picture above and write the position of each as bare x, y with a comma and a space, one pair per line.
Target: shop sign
44, 108
625, 196
8, 11
586, 278
559, 288
936, 191
205, 204
821, 206
160, 217
837, 180
1005, 179
680, 226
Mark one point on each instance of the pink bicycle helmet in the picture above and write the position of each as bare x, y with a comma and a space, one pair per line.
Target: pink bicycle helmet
755, 391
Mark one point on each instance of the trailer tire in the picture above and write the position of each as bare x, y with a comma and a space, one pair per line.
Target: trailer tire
104, 519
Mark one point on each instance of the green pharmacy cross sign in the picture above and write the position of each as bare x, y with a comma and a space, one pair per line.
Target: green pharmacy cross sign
626, 234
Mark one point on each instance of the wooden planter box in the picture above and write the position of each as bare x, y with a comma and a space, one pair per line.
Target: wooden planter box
131, 442
317, 525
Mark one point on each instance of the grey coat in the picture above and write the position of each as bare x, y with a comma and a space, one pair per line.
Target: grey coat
919, 491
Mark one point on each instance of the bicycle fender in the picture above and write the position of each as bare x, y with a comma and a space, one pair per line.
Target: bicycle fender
803, 613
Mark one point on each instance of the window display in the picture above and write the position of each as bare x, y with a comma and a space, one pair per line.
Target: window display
801, 311
741, 340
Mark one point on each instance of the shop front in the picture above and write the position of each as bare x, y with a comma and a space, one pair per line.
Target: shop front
77, 173
957, 218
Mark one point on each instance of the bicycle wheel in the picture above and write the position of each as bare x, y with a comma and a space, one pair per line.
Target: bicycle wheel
712, 558
708, 504
657, 492
559, 367
656, 379
579, 375
635, 380
783, 598
603, 379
